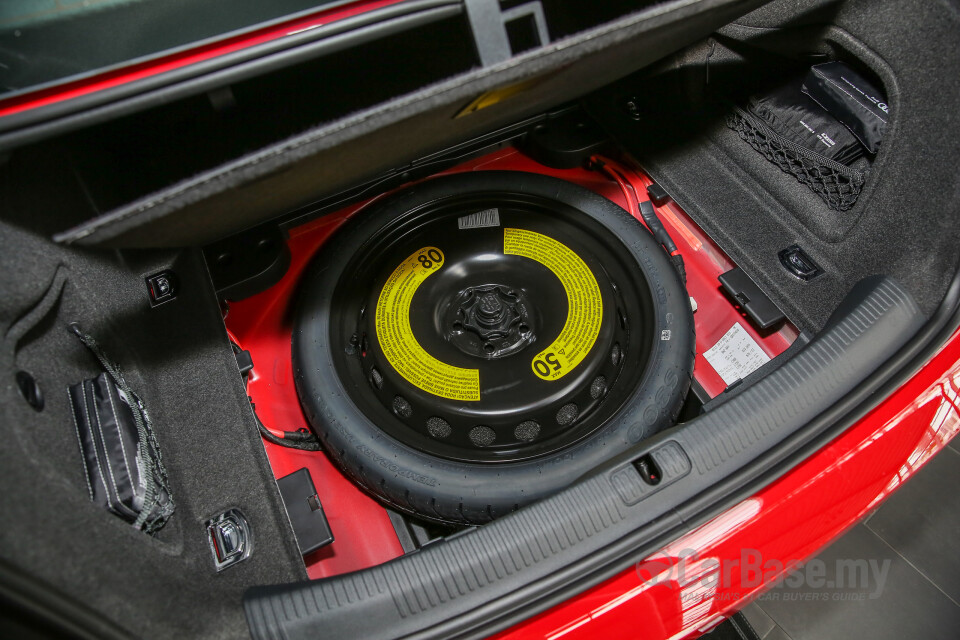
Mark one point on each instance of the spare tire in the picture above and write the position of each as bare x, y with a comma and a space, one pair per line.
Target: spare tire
481, 340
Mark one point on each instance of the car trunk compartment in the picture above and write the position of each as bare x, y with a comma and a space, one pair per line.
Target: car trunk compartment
886, 264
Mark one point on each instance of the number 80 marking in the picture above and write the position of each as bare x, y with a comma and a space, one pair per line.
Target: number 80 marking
429, 258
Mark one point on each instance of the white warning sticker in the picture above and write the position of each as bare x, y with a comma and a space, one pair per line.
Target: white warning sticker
480, 219
736, 355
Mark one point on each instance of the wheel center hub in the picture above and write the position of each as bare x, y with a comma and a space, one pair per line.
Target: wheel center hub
490, 310
490, 321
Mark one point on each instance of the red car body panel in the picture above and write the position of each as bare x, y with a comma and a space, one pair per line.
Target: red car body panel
786, 522
125, 74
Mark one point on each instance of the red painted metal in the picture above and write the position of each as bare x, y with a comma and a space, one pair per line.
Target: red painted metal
163, 63
704, 262
785, 523
261, 324
363, 534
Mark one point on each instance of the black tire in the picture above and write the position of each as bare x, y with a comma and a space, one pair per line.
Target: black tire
452, 491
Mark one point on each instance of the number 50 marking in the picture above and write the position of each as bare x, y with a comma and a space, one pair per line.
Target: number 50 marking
544, 365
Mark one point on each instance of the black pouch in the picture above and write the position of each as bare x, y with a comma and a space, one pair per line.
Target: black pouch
851, 99
121, 458
795, 133
793, 115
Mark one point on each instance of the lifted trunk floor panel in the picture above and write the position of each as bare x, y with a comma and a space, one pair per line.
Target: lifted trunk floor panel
333, 156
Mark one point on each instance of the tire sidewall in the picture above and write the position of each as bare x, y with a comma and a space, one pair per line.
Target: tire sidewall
449, 490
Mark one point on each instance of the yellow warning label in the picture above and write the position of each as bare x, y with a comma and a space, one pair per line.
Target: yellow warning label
584, 304
396, 337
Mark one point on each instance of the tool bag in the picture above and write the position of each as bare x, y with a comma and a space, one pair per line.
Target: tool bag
121, 458
816, 128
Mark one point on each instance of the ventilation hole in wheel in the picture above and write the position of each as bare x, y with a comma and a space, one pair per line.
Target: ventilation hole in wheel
402, 407
598, 388
376, 378
438, 428
615, 354
623, 319
489, 348
567, 414
527, 431
482, 436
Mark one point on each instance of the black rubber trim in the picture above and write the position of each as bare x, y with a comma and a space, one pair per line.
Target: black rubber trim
43, 122
520, 564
